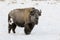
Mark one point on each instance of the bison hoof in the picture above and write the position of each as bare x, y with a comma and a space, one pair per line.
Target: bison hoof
14, 32
9, 32
27, 33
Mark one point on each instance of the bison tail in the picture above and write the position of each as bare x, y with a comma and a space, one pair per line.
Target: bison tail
8, 18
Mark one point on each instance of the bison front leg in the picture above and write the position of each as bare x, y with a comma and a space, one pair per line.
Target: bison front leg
31, 26
28, 28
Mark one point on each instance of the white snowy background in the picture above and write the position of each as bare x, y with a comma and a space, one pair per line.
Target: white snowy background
48, 27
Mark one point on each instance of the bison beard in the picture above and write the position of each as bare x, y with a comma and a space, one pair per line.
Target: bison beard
26, 18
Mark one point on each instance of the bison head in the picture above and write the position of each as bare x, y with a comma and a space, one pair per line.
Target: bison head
35, 15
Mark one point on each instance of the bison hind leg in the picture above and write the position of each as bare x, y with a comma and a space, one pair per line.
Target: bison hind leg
9, 24
9, 28
13, 27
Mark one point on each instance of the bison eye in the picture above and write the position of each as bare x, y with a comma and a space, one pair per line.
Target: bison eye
31, 13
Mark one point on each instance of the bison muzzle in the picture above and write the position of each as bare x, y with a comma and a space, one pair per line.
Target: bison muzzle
27, 18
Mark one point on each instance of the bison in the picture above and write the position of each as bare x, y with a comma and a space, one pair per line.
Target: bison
26, 17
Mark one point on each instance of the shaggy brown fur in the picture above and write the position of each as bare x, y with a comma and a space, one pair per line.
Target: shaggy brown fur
23, 18
23, 14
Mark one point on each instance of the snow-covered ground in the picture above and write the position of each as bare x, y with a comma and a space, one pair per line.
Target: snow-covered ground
48, 27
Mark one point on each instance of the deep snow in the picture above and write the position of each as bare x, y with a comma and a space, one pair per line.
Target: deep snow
48, 27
